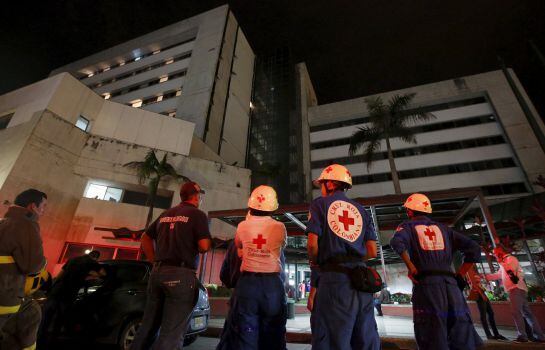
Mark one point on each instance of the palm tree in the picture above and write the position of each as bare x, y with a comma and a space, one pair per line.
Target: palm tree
153, 171
387, 121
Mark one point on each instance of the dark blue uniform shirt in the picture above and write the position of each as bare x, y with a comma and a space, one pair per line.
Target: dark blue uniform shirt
176, 233
342, 225
431, 244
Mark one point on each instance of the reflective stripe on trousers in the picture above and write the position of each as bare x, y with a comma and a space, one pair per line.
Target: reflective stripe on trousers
6, 310
6, 259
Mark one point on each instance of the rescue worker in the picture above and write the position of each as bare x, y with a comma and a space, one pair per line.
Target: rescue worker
341, 237
21, 251
21, 330
486, 313
440, 314
259, 318
64, 292
512, 277
179, 234
229, 275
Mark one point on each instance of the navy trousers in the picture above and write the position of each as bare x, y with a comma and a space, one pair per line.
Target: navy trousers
441, 316
343, 317
258, 314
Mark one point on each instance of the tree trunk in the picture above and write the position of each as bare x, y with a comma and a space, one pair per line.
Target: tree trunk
154, 184
393, 169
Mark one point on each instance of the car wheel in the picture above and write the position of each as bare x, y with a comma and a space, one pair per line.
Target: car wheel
128, 334
190, 339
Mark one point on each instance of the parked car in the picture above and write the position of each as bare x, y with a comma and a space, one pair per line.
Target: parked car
110, 310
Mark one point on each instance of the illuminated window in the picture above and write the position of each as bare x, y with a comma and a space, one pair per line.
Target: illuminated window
90, 75
156, 52
106, 69
137, 58
159, 98
163, 79
82, 123
178, 92
171, 114
106, 96
104, 193
136, 103
122, 63
169, 61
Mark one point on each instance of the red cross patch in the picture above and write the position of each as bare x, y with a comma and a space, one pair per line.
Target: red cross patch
259, 241
329, 169
430, 237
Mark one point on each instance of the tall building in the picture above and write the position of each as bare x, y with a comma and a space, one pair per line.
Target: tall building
278, 152
481, 136
199, 70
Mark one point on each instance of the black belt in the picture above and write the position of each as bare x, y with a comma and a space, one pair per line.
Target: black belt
259, 274
173, 263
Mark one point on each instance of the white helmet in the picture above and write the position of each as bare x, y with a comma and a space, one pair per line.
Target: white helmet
263, 198
334, 172
418, 202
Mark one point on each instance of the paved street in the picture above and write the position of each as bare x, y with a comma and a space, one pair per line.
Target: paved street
203, 343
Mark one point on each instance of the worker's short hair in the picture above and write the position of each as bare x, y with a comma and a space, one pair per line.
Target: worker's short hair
25, 198
95, 254
340, 186
418, 213
255, 212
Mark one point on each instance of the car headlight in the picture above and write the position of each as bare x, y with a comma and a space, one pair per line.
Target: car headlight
202, 303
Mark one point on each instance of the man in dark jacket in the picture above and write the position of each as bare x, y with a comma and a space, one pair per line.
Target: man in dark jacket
21, 251
64, 292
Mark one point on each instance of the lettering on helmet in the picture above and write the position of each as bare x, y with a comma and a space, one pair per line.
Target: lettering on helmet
345, 220
430, 237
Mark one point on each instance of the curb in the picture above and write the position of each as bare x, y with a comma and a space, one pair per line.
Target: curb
388, 343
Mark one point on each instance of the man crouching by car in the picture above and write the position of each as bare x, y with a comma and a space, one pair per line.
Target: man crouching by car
179, 233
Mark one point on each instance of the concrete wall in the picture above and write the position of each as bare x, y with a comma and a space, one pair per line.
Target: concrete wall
307, 99
234, 132
194, 102
46, 163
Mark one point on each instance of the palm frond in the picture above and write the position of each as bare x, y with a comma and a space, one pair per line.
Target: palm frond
405, 134
417, 115
359, 138
399, 103
377, 110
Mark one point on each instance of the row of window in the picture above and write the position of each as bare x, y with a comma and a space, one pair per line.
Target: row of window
155, 99
138, 58
119, 195
437, 170
498, 190
451, 124
424, 109
441, 147
145, 84
141, 70
4, 120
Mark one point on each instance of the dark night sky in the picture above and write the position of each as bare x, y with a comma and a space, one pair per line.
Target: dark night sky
352, 48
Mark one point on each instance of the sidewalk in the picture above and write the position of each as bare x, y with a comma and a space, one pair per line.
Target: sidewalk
395, 332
